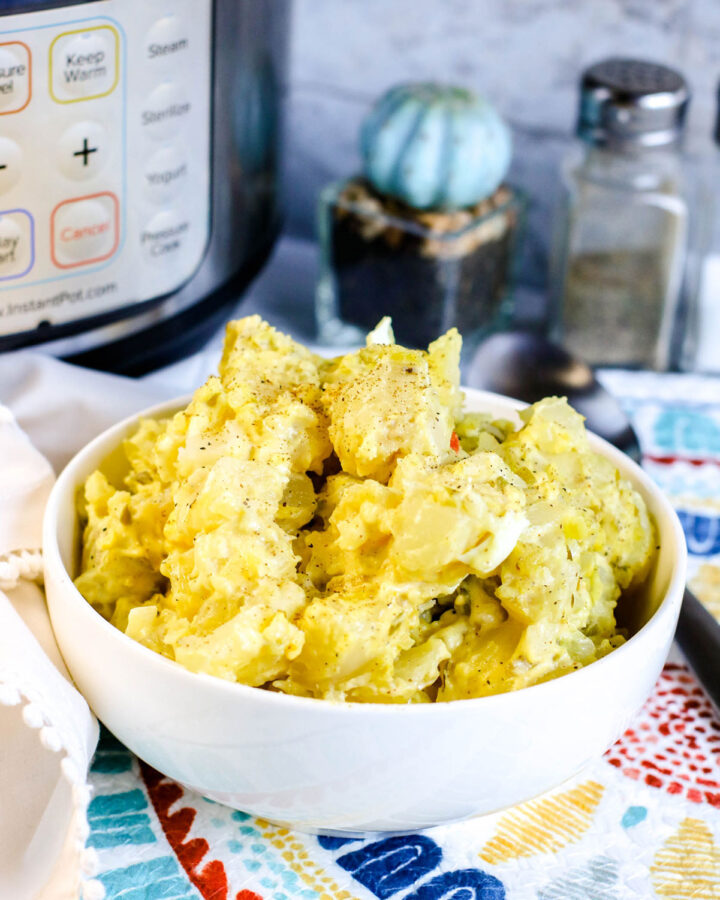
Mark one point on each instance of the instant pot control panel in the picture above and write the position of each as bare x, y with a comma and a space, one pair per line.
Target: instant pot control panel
104, 156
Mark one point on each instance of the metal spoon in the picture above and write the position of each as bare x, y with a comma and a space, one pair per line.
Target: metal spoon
529, 367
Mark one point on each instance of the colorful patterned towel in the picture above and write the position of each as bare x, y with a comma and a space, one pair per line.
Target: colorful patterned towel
643, 821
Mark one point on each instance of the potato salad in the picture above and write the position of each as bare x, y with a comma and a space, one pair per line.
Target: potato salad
342, 529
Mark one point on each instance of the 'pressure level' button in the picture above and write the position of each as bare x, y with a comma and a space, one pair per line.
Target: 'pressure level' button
84, 64
15, 77
17, 243
10, 164
84, 230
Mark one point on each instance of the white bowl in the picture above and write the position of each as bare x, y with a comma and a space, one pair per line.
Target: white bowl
335, 768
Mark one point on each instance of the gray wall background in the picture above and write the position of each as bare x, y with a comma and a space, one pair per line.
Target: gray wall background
524, 55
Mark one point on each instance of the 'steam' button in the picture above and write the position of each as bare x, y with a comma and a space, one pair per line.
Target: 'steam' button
17, 243
166, 40
84, 230
15, 77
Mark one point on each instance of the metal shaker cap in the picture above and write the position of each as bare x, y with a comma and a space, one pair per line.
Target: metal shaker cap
628, 103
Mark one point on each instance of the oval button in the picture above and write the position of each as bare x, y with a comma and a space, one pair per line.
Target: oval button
165, 175
163, 238
10, 164
83, 150
165, 111
167, 38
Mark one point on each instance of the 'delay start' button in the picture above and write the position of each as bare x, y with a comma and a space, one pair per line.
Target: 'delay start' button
15, 77
84, 64
84, 230
17, 243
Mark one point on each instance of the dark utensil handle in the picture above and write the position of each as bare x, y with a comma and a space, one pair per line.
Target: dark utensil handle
698, 634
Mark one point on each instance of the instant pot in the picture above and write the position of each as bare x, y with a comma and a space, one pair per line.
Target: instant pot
138, 171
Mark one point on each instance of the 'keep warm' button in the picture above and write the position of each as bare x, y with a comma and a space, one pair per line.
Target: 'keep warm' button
84, 65
85, 230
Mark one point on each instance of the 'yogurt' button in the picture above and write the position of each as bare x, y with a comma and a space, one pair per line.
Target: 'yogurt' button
83, 150
14, 77
84, 230
165, 175
17, 250
10, 164
165, 111
84, 64
163, 238
166, 39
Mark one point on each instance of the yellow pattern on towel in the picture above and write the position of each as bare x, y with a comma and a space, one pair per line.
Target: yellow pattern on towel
688, 864
545, 825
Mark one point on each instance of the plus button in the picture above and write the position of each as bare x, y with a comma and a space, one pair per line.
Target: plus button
85, 152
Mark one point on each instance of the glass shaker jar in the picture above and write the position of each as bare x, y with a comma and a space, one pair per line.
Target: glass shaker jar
621, 231
701, 341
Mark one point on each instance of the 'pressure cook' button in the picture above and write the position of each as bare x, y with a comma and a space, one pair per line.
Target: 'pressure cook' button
165, 111
10, 161
165, 175
17, 244
163, 238
84, 230
84, 64
15, 75
83, 150
166, 39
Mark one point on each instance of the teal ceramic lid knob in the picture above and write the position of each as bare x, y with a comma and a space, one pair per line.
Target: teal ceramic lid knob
435, 146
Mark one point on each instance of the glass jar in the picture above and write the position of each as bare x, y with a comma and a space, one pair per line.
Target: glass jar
428, 270
622, 226
701, 340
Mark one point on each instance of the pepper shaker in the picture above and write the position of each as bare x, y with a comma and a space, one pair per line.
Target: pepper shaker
622, 226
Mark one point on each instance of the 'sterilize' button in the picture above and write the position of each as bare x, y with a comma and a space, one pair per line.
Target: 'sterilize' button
84, 230
165, 111
15, 77
17, 243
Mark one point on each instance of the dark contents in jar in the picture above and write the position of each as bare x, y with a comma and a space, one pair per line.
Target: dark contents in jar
429, 271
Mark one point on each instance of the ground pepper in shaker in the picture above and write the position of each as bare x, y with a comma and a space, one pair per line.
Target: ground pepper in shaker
622, 224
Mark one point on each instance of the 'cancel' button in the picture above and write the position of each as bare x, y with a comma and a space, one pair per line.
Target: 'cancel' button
163, 238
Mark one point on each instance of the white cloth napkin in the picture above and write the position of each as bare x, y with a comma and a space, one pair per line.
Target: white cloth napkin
47, 733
